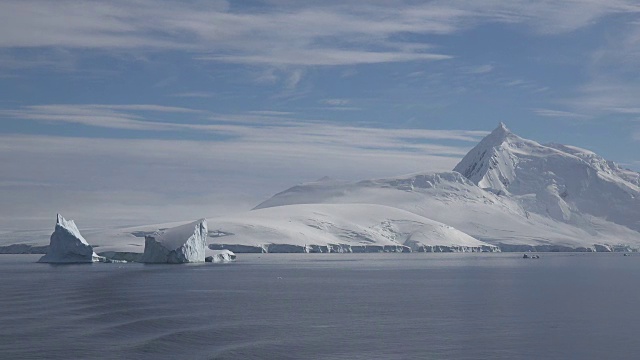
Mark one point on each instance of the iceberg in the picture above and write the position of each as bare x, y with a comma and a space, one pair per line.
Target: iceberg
181, 244
221, 256
67, 245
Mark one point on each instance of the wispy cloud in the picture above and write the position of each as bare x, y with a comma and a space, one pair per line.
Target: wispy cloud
259, 126
607, 95
280, 33
558, 114
611, 86
270, 112
98, 115
131, 181
143, 107
194, 94
278, 36
320, 57
479, 69
294, 78
335, 102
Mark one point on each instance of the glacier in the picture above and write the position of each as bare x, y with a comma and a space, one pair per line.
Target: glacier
182, 244
67, 245
324, 228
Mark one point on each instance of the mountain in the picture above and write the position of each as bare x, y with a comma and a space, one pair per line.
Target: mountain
510, 192
507, 193
562, 182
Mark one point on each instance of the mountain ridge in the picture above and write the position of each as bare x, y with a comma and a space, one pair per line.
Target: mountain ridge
516, 193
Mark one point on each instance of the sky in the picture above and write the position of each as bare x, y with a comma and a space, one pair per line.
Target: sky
120, 113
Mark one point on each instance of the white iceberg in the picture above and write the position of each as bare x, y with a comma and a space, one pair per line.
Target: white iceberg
220, 256
68, 246
181, 244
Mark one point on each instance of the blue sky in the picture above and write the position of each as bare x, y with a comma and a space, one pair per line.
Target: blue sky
125, 112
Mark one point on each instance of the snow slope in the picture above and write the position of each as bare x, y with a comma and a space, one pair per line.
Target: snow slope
338, 228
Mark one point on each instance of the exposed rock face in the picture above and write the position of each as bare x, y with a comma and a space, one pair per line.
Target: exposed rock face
181, 244
67, 245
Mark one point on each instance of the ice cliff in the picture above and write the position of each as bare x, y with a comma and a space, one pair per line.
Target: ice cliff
67, 245
181, 244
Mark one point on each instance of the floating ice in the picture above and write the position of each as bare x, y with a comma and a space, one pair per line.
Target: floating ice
220, 256
67, 245
181, 244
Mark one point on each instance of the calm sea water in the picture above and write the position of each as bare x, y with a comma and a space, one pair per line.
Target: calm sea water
325, 306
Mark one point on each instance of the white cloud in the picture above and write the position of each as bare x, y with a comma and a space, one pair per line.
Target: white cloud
270, 113
290, 33
195, 94
611, 87
480, 69
107, 182
320, 57
139, 107
517, 82
558, 113
272, 124
277, 36
607, 95
294, 78
336, 102
105, 116
129, 181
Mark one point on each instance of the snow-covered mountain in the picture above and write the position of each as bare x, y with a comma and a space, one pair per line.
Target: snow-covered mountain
510, 192
507, 192
565, 183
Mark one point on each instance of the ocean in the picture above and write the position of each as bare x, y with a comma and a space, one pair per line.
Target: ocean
325, 306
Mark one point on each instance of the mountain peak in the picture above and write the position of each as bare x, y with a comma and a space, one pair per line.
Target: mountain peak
502, 128
498, 135
489, 164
